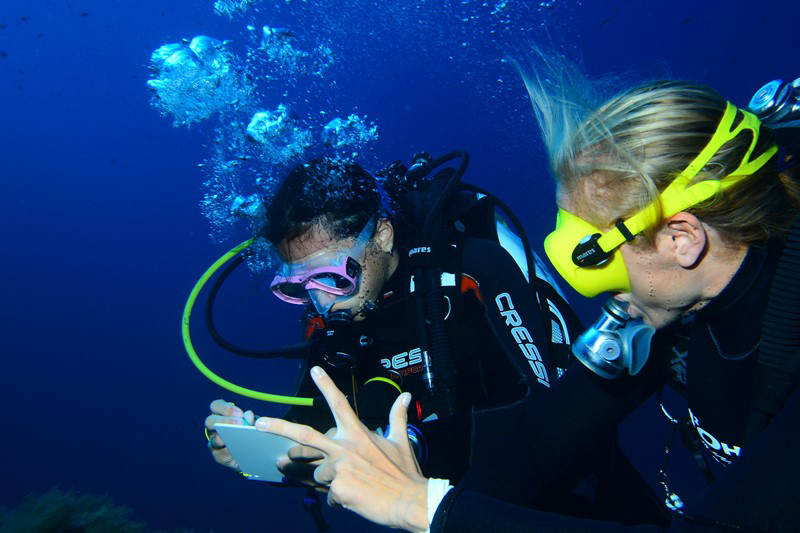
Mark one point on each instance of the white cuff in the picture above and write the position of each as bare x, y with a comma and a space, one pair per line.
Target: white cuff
437, 488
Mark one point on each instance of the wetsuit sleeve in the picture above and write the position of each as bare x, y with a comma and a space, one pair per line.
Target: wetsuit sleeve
498, 515
759, 492
502, 492
512, 312
550, 446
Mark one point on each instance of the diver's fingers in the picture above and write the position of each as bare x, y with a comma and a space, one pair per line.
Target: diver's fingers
215, 442
224, 457
221, 407
300, 472
211, 420
304, 453
342, 412
284, 461
249, 417
301, 434
332, 501
324, 473
398, 419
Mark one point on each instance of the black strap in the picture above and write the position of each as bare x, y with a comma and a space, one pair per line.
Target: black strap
297, 351
620, 224
691, 440
313, 506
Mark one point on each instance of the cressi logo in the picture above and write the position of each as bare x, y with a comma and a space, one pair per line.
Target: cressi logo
405, 362
522, 337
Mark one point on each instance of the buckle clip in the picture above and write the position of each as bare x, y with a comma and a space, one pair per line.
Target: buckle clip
588, 252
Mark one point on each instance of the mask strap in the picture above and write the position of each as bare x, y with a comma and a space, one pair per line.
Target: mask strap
366, 233
679, 195
361, 242
386, 203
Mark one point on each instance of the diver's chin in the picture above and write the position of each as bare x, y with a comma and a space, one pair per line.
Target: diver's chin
634, 312
661, 321
638, 314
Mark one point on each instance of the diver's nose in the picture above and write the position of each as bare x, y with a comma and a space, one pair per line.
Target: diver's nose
323, 301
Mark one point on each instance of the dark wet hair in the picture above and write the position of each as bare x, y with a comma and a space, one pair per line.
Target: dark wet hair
339, 196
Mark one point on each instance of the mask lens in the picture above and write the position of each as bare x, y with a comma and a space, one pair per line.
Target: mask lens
326, 278
332, 280
323, 301
295, 291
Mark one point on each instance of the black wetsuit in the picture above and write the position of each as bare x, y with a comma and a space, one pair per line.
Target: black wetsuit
499, 338
710, 361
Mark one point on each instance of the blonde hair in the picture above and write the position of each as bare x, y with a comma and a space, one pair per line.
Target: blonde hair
612, 160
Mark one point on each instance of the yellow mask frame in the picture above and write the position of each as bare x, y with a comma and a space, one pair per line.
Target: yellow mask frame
594, 264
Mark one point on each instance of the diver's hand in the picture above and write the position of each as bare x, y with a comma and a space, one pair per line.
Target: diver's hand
223, 412
300, 462
376, 477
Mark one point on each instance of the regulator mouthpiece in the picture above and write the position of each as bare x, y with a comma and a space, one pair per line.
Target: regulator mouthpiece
338, 349
615, 342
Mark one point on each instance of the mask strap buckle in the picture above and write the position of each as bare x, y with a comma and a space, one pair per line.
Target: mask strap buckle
620, 224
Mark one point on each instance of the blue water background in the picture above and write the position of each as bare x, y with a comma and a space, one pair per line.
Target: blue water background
103, 237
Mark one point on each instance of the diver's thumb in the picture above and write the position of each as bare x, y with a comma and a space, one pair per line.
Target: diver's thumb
398, 419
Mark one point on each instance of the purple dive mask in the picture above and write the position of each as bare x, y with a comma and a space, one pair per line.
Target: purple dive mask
325, 279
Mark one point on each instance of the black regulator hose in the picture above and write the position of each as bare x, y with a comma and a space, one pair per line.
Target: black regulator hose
455, 179
186, 319
296, 351
440, 371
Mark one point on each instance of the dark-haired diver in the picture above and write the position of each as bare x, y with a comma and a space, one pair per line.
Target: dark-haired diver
397, 299
348, 243
685, 209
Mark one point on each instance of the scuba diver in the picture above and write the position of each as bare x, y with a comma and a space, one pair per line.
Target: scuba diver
390, 305
685, 209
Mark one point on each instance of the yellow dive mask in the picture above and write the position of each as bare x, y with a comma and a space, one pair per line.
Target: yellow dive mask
590, 260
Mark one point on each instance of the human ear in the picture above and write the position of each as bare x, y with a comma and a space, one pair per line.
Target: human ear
688, 238
384, 235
